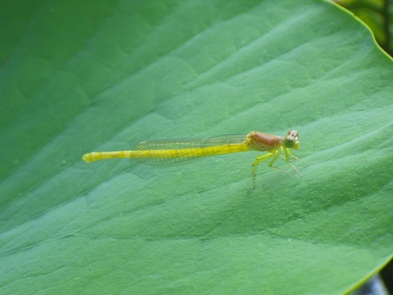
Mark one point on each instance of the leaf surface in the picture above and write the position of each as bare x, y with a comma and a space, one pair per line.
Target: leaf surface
89, 76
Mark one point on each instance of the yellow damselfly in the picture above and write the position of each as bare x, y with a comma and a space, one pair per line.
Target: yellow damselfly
183, 149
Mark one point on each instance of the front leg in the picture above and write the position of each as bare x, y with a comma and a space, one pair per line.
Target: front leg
287, 154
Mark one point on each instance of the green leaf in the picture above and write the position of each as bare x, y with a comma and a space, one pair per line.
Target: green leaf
82, 76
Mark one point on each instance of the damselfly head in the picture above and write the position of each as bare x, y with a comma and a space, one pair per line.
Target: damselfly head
291, 140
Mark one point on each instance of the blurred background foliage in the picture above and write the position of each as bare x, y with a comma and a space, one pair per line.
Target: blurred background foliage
377, 15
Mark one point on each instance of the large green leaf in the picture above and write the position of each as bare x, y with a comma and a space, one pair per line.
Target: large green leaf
79, 76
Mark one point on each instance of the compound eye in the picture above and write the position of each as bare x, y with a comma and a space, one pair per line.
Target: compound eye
289, 142
293, 133
292, 140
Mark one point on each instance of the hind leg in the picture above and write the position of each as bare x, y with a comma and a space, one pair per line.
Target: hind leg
259, 160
